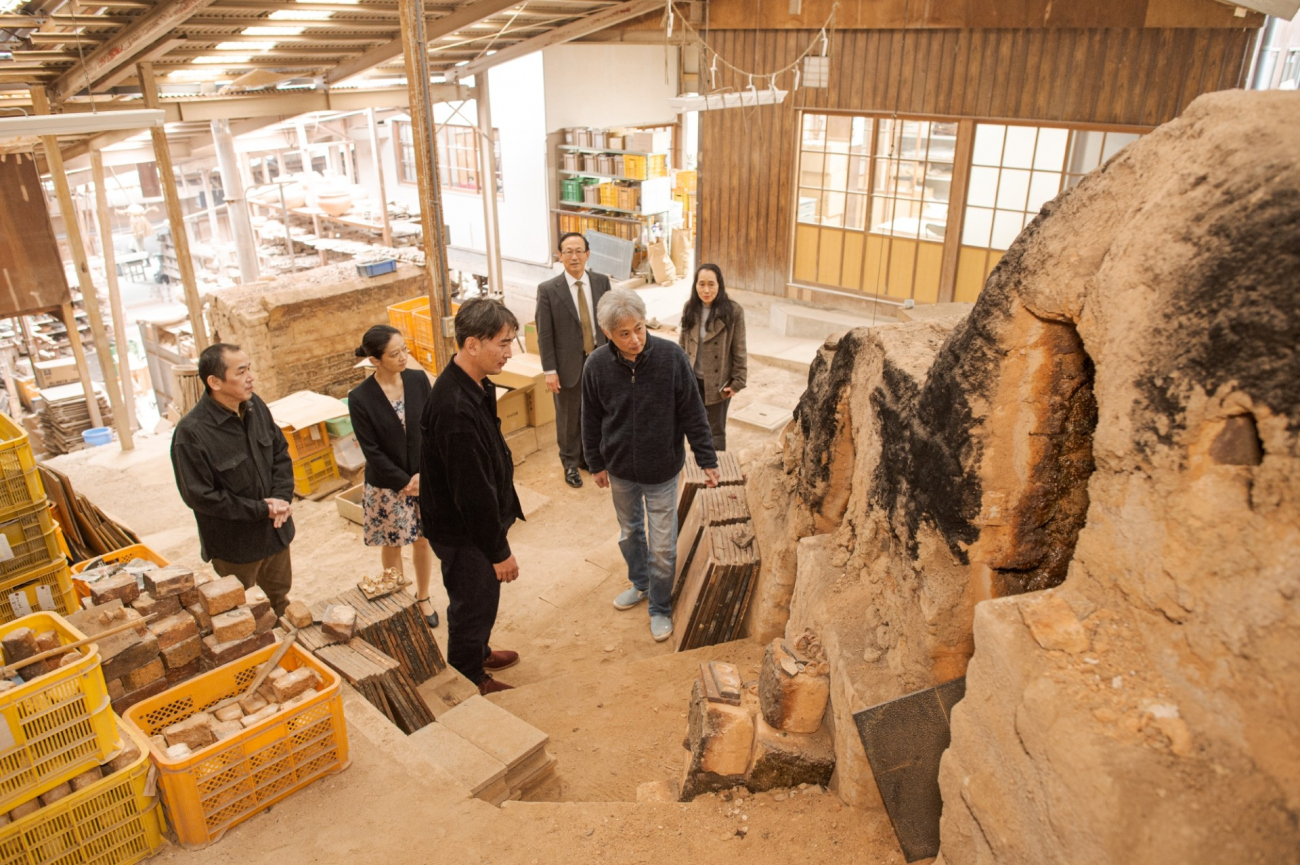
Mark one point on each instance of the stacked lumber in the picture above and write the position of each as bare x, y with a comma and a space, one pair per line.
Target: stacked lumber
393, 625
717, 587
88, 530
717, 506
379, 678
66, 416
693, 480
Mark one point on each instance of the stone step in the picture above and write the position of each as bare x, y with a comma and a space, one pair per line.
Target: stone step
495, 731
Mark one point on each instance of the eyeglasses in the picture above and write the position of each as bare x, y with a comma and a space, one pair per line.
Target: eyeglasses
573, 252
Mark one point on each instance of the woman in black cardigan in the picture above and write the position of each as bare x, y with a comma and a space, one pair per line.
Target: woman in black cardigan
386, 410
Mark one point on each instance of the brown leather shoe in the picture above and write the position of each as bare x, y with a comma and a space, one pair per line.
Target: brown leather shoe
490, 685
500, 659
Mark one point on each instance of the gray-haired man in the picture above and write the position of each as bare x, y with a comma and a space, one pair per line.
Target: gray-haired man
639, 401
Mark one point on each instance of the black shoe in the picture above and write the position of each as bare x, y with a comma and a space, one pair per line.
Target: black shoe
430, 619
572, 478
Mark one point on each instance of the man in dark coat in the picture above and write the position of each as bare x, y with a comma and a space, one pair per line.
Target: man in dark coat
233, 470
467, 493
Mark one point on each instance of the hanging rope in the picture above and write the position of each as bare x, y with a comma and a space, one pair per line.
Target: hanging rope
793, 66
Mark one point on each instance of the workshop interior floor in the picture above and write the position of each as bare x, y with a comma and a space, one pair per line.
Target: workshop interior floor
611, 699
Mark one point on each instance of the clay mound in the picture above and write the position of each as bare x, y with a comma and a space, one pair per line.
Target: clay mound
1091, 482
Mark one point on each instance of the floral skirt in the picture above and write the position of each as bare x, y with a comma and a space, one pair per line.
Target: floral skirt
391, 519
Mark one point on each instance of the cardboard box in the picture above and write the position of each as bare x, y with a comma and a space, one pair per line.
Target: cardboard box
512, 409
530, 338
525, 371
52, 373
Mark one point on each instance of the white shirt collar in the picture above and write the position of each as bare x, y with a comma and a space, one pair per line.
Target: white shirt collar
586, 281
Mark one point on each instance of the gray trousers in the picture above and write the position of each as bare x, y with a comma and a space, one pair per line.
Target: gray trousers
568, 427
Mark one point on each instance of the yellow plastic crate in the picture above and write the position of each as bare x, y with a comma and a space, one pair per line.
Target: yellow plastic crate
111, 822
422, 354
60, 724
224, 784
20, 484
634, 167
421, 327
310, 473
609, 195
56, 577
399, 314
686, 180
31, 540
656, 165
306, 441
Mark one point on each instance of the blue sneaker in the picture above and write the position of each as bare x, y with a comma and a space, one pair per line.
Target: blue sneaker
629, 598
661, 628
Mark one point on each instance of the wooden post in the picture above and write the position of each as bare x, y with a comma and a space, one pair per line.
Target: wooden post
377, 158
213, 225
54, 159
114, 293
180, 240
956, 210
488, 183
7, 355
232, 185
415, 50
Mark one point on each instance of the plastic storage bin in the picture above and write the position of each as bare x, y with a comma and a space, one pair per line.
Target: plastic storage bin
60, 724
377, 268
31, 540
226, 783
111, 822
310, 473
56, 578
20, 483
399, 314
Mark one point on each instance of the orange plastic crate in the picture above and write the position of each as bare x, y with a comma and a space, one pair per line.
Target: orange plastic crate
399, 314
126, 554
306, 441
224, 784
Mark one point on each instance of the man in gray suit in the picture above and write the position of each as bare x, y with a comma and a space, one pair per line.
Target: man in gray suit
566, 333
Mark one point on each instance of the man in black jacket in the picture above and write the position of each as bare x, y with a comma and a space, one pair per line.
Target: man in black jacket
467, 493
639, 401
233, 470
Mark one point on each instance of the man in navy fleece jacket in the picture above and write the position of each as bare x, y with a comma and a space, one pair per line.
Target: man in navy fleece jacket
639, 401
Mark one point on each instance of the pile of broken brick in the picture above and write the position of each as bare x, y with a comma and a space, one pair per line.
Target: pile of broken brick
761, 734
282, 691
190, 622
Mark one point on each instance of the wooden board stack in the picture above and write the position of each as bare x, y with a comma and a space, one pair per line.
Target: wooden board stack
66, 416
88, 530
693, 480
717, 587
717, 506
380, 679
393, 625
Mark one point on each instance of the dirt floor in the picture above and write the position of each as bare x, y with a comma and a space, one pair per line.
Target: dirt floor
612, 700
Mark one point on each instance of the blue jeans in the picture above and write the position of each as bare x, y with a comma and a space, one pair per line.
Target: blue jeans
647, 518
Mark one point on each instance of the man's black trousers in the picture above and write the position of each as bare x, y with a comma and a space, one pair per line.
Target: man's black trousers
473, 594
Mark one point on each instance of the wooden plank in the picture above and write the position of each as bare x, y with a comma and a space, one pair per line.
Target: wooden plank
31, 268
1192, 86
1157, 81
961, 64
956, 209
1090, 77
114, 295
1008, 98
175, 215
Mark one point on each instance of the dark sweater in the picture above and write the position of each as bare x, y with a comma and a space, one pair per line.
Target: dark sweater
392, 452
467, 490
635, 415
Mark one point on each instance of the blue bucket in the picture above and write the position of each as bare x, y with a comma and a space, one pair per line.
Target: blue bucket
97, 435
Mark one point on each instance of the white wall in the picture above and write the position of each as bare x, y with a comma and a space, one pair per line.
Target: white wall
609, 85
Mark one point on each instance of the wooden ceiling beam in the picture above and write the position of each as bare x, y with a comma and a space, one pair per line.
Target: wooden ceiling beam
126, 45
471, 13
597, 21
